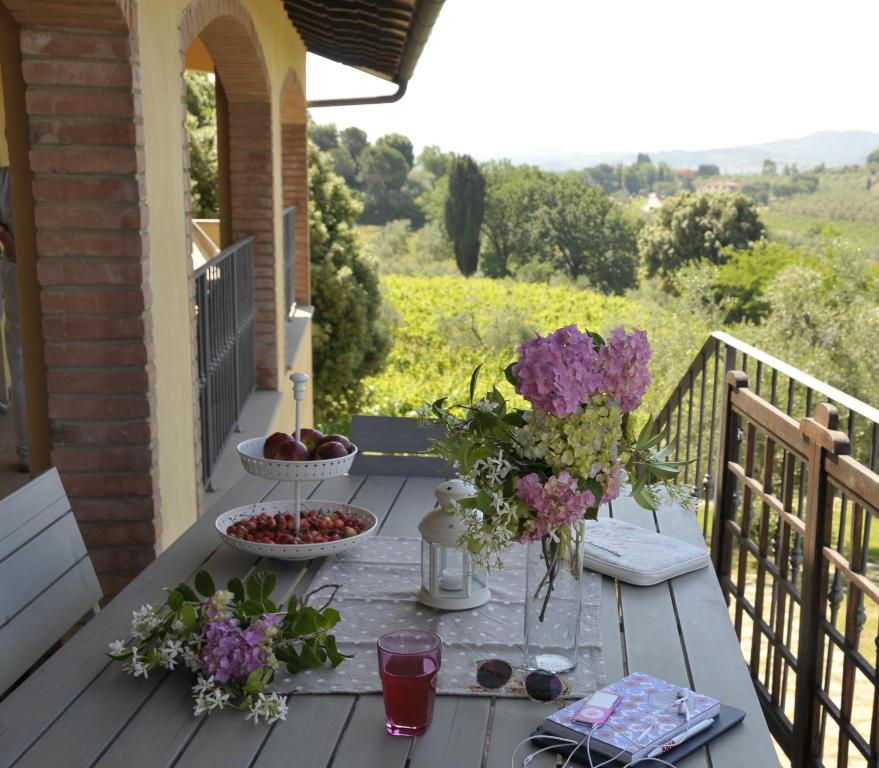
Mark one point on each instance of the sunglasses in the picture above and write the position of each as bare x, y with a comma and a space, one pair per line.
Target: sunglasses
540, 685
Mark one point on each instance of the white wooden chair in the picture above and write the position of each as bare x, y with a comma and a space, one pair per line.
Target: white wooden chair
390, 445
47, 581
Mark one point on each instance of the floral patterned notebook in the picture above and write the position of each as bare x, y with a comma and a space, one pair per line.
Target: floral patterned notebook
646, 717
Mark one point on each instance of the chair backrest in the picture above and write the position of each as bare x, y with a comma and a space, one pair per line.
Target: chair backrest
47, 581
389, 445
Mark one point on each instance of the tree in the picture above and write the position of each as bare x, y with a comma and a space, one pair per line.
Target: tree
383, 171
201, 126
512, 194
770, 167
707, 169
695, 227
790, 169
643, 157
324, 136
433, 159
465, 205
354, 140
873, 157
586, 234
401, 143
344, 165
351, 341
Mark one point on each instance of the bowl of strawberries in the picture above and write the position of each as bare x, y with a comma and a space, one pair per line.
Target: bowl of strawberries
314, 456
269, 528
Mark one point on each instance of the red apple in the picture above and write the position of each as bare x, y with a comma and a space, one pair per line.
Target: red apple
311, 437
331, 449
346, 443
293, 451
273, 443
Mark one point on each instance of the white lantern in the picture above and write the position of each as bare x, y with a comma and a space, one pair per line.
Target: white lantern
450, 580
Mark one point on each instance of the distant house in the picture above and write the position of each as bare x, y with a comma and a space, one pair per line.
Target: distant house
719, 185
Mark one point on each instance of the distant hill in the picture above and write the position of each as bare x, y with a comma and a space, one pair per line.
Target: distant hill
833, 148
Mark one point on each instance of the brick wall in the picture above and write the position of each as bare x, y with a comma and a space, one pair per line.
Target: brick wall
294, 171
83, 104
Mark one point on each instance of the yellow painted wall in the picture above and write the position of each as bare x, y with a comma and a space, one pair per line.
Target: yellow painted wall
163, 133
4, 147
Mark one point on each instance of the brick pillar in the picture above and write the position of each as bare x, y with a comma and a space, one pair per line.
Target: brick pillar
294, 170
252, 213
84, 108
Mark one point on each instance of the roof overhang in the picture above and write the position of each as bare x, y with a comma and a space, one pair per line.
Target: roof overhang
384, 38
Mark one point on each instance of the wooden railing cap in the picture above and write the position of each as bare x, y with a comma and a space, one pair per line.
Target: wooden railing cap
823, 428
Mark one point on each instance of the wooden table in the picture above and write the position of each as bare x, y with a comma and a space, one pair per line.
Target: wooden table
79, 710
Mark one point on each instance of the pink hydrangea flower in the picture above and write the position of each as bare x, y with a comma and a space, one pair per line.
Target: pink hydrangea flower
613, 483
625, 366
556, 502
558, 372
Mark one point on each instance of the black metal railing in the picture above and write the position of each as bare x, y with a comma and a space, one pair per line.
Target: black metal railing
225, 318
288, 221
790, 508
691, 416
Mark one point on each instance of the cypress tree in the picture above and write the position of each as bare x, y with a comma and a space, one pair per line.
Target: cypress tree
465, 206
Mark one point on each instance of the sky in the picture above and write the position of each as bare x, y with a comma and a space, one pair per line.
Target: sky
510, 78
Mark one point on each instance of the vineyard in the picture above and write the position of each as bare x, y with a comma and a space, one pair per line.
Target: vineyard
444, 326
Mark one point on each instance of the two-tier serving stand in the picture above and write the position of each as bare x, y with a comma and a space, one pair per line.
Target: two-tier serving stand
295, 472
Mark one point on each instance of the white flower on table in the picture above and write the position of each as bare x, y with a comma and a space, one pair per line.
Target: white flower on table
145, 620
272, 707
135, 665
117, 648
203, 685
170, 652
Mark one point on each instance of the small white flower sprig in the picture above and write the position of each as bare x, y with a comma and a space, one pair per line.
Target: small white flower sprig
233, 639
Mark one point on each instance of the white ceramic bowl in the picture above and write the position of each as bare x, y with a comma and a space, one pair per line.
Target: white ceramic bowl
253, 461
294, 551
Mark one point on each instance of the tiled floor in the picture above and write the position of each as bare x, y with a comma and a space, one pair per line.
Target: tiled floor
10, 478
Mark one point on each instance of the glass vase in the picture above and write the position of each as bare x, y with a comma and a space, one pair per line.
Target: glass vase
553, 592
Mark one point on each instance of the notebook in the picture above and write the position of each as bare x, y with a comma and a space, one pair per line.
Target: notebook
637, 555
645, 718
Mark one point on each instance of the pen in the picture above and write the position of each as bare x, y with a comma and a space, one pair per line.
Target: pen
672, 743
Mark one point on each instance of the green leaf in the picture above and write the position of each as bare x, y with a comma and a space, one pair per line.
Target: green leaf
597, 339
237, 588
509, 375
305, 622
188, 616
252, 608
309, 657
253, 585
204, 584
474, 377
331, 617
270, 580
333, 654
255, 681
186, 591
175, 600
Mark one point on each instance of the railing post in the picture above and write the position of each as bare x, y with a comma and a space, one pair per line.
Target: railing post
724, 486
823, 440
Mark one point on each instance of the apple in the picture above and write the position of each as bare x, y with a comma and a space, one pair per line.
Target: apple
331, 449
293, 451
346, 443
273, 444
311, 437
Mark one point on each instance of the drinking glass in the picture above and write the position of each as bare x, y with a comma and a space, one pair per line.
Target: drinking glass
408, 662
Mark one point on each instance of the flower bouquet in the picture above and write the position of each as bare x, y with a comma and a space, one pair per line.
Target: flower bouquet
539, 472
233, 640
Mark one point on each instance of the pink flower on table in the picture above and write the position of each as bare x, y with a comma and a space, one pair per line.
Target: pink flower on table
625, 367
558, 372
556, 502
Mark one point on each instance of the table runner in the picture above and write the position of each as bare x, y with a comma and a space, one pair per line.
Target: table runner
380, 580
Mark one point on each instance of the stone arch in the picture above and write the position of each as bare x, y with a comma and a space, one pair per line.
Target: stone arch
294, 176
247, 207
89, 256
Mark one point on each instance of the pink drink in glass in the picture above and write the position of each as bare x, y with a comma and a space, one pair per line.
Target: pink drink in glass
408, 661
